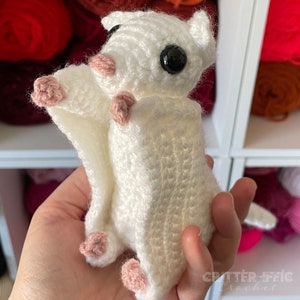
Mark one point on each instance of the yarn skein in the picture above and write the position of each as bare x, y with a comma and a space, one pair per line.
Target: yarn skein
294, 215
282, 40
104, 7
271, 195
290, 179
277, 90
33, 29
16, 84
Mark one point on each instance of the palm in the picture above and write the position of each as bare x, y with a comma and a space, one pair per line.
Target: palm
71, 272
54, 268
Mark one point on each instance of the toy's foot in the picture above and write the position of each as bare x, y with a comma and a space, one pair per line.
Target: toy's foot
133, 277
120, 107
95, 245
47, 91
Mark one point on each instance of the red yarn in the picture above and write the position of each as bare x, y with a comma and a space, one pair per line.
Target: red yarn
16, 80
33, 29
282, 39
104, 7
88, 33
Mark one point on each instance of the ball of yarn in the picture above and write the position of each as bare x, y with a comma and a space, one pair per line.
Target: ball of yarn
283, 232
282, 40
271, 195
180, 9
251, 236
290, 179
33, 29
104, 7
205, 91
277, 90
88, 33
16, 85
294, 215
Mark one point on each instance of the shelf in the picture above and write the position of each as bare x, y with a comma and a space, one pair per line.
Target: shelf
269, 271
39, 146
265, 138
35, 146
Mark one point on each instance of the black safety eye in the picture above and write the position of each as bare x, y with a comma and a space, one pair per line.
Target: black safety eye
173, 59
112, 30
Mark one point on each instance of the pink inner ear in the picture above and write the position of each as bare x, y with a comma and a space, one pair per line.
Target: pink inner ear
103, 64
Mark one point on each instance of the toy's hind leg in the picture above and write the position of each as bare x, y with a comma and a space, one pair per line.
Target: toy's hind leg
102, 244
149, 284
133, 276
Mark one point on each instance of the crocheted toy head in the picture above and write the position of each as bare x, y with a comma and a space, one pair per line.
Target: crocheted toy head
149, 54
141, 142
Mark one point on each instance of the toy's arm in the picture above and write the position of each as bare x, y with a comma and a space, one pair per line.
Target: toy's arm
81, 111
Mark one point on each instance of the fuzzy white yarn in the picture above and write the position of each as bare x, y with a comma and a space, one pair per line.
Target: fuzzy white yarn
149, 178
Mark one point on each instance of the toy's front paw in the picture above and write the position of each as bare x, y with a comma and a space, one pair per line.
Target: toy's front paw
95, 245
120, 107
47, 91
133, 276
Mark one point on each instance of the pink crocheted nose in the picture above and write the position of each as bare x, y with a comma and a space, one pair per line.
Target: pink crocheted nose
103, 64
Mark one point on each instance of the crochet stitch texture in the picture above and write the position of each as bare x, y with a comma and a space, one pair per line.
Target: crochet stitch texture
141, 142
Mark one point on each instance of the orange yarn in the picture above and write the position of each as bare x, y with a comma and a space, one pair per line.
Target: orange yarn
277, 90
184, 2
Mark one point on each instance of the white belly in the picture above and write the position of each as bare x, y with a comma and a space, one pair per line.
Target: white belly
162, 179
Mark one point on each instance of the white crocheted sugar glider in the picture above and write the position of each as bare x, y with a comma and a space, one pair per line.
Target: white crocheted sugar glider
141, 142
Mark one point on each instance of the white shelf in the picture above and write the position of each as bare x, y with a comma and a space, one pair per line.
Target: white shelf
35, 146
268, 271
272, 139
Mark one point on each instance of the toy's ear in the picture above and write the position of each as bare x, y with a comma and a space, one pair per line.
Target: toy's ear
201, 30
119, 17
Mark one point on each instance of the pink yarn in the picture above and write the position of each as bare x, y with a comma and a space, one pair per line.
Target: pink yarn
282, 39
294, 215
271, 195
290, 179
95, 245
133, 276
250, 238
103, 64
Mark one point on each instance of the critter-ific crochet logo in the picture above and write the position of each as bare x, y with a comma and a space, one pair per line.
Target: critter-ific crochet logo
252, 282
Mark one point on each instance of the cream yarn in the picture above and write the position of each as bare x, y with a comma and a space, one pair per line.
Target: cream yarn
140, 139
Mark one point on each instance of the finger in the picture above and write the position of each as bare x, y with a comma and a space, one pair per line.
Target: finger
225, 240
73, 195
243, 193
209, 161
199, 263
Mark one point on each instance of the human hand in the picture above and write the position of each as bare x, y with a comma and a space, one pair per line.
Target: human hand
51, 268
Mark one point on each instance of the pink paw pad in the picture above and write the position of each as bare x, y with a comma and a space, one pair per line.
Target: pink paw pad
47, 91
133, 277
95, 245
120, 107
